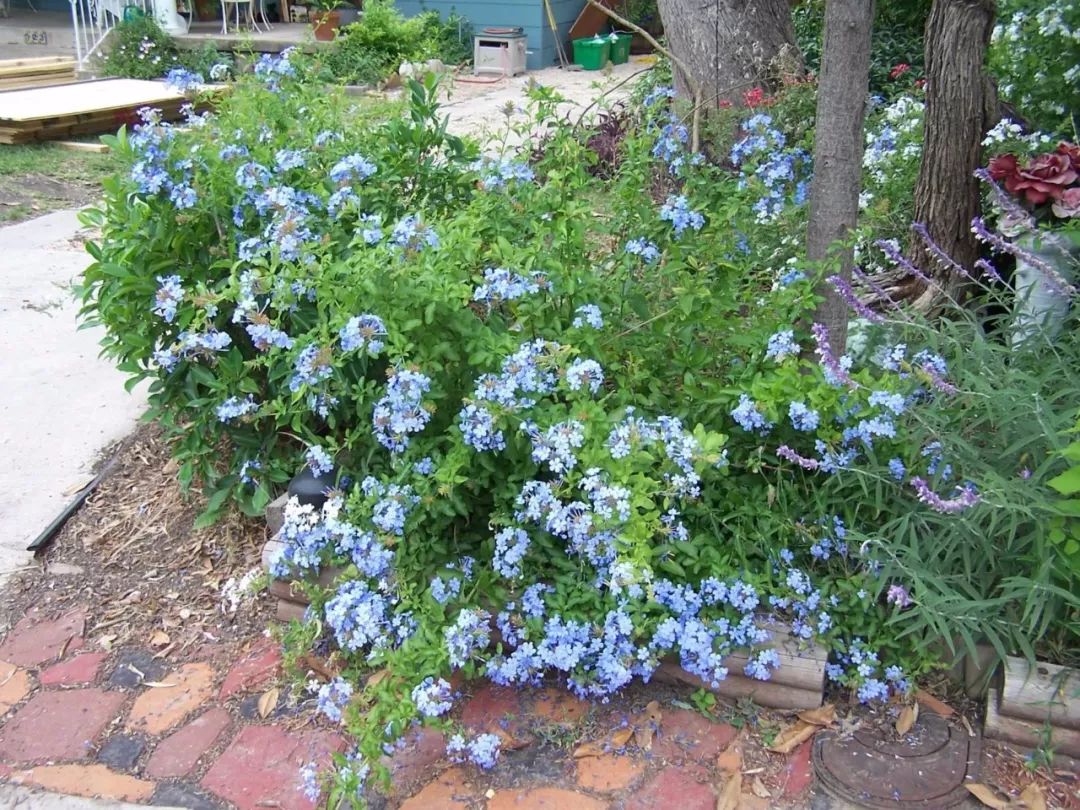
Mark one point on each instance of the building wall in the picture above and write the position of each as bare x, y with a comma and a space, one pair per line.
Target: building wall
527, 14
43, 5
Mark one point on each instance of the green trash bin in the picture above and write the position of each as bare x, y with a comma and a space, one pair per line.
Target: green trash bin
592, 53
133, 13
620, 47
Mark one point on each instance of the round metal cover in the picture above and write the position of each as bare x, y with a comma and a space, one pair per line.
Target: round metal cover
874, 768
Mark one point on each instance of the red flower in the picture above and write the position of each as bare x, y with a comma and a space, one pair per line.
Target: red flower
1003, 167
1068, 205
899, 70
1072, 152
753, 97
724, 104
920, 83
1044, 178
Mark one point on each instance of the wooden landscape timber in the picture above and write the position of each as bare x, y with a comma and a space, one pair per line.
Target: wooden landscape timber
42, 71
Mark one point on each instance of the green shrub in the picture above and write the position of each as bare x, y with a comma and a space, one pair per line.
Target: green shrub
589, 415
139, 49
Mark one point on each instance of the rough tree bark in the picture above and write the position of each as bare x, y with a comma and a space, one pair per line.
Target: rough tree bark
838, 150
961, 105
729, 45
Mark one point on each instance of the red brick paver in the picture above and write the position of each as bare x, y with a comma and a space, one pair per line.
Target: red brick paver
260, 665
15, 685
92, 781
180, 752
261, 768
544, 799
450, 791
799, 772
423, 748
687, 735
681, 788
497, 710
159, 708
608, 772
58, 725
81, 669
34, 641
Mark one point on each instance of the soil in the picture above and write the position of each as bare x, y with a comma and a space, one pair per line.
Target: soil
24, 196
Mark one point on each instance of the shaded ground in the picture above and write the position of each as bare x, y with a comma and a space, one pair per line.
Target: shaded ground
38, 178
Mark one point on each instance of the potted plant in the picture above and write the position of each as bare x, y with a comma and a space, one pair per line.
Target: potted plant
325, 18
1040, 208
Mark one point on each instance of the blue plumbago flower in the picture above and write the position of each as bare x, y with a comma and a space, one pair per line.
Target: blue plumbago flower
501, 285
532, 602
432, 697
333, 698
392, 509
312, 367
760, 137
272, 68
233, 151
890, 358
482, 750
340, 200
833, 461
477, 425
264, 336
631, 433
760, 666
401, 411
363, 619
234, 408
792, 276
319, 460
872, 689
897, 469
444, 589
411, 235
169, 294
658, 94
511, 544
588, 314
286, 159
649, 253
328, 136
748, 417
309, 782
529, 370
495, 174
556, 445
424, 466
934, 452
252, 175
353, 167
866, 430
192, 345
803, 418
891, 402
469, 634
363, 332
585, 374
781, 346
676, 211
182, 80
246, 469
895, 676
305, 534
183, 196
371, 229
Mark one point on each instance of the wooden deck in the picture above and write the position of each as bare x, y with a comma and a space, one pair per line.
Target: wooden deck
278, 38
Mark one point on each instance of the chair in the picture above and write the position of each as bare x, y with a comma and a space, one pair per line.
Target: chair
249, 15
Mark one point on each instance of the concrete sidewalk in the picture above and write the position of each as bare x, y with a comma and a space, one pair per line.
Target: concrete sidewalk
60, 404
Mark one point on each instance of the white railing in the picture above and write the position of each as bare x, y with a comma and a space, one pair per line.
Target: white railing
92, 20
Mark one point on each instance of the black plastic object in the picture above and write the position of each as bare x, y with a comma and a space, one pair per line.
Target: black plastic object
309, 488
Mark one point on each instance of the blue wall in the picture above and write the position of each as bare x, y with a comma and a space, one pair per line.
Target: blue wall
526, 14
43, 5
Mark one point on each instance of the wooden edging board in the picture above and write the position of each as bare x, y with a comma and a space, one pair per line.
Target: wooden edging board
24, 108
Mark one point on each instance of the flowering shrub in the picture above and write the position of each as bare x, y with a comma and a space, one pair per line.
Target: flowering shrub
563, 444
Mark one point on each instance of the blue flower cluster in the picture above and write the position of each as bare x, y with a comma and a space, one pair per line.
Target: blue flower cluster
312, 366
190, 345
235, 408
511, 545
556, 445
401, 411
778, 168
469, 634
183, 80
169, 295
363, 332
432, 697
858, 668
365, 619
781, 346
748, 417
501, 285
496, 174
412, 236
319, 461
333, 698
676, 210
588, 315
482, 750
649, 253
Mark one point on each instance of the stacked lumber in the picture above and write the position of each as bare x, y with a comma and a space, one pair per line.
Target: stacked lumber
1036, 707
40, 72
83, 108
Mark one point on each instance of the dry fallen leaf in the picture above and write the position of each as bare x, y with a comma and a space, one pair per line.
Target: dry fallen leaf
823, 716
159, 639
620, 737
730, 759
589, 749
1033, 798
267, 702
643, 737
653, 713
986, 795
792, 736
731, 796
759, 789
376, 678
967, 726
906, 720
933, 704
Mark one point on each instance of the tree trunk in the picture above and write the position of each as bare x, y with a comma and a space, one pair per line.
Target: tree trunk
838, 151
961, 105
729, 46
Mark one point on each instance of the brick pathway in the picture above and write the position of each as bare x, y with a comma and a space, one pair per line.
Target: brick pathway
126, 726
